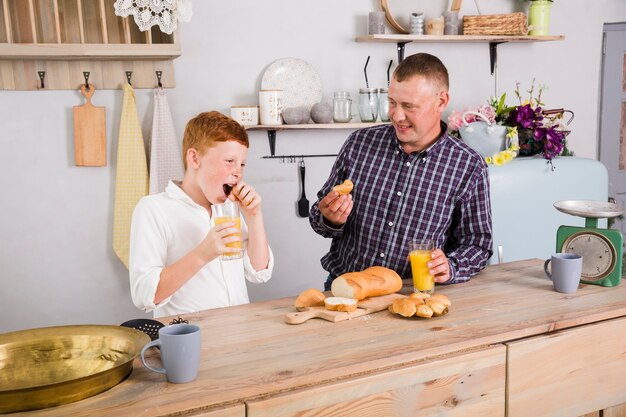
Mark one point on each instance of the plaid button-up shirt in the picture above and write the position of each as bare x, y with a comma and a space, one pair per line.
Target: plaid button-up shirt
441, 193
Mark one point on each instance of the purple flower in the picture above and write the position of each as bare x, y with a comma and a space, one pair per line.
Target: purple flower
526, 117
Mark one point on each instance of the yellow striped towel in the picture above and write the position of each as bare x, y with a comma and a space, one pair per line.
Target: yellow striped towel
131, 177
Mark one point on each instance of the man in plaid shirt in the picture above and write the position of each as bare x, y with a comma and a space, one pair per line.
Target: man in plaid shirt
411, 181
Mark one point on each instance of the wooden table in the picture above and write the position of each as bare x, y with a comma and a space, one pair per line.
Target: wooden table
509, 344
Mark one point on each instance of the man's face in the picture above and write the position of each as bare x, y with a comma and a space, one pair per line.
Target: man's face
415, 107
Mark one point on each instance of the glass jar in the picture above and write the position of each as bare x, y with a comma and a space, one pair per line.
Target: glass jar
383, 104
342, 107
368, 104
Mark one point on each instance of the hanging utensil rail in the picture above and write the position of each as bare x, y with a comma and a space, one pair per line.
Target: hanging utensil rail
293, 158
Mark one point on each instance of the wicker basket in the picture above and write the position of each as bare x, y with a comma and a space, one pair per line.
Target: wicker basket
496, 24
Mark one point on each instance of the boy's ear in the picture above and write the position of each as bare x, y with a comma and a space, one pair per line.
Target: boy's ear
193, 158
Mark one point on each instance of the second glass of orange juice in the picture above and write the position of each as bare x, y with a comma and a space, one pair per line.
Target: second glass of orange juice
229, 213
420, 253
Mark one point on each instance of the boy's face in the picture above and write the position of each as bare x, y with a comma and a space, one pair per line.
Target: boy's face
219, 169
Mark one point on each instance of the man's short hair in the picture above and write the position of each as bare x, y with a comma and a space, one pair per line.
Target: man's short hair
425, 65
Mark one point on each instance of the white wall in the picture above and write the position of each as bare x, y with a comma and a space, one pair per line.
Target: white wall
56, 262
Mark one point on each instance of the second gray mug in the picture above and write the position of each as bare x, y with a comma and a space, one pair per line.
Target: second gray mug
566, 271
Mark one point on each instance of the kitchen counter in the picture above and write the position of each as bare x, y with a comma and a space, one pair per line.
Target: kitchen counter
256, 365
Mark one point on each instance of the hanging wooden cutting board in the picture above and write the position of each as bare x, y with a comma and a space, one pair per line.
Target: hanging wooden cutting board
89, 132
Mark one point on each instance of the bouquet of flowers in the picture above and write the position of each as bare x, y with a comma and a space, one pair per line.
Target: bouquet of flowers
539, 133
530, 128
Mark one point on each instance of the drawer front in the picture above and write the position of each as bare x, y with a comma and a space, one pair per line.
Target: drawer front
236, 411
569, 373
468, 384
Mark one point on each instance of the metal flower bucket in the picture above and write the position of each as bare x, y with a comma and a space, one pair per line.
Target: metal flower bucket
485, 137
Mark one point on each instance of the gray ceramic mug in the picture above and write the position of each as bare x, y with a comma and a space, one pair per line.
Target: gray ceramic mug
566, 271
180, 352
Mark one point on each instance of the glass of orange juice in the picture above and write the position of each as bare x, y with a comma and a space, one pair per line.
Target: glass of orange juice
420, 253
229, 213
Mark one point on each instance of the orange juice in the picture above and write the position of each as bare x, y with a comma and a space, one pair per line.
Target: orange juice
239, 243
423, 281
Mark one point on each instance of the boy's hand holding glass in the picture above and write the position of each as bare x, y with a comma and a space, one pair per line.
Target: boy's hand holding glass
228, 229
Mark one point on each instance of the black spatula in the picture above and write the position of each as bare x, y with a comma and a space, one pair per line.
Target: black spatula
303, 203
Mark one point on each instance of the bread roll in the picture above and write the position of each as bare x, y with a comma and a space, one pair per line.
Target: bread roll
422, 295
441, 298
309, 298
344, 188
404, 307
424, 311
340, 304
437, 307
371, 282
415, 297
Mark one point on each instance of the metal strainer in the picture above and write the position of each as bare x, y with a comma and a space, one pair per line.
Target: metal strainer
148, 326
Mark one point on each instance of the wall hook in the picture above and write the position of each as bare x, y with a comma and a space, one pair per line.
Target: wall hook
86, 75
159, 74
42, 75
129, 75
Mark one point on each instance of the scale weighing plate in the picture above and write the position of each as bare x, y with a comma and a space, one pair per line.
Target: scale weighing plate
601, 249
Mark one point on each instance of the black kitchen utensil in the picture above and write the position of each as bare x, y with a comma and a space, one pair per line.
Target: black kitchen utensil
148, 326
303, 203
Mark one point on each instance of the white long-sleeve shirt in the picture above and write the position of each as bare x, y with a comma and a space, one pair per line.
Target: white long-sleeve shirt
167, 226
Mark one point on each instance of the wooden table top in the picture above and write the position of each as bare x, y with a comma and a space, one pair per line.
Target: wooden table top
248, 352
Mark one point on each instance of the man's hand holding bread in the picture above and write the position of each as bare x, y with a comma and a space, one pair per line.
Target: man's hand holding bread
337, 205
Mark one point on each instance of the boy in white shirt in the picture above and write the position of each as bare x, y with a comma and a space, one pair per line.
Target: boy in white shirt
175, 246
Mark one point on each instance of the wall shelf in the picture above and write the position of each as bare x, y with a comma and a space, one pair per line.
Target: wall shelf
272, 129
493, 41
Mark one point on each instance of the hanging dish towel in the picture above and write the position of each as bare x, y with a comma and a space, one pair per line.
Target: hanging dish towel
131, 177
166, 162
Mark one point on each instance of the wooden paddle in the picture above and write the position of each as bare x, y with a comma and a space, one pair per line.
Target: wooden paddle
89, 132
367, 306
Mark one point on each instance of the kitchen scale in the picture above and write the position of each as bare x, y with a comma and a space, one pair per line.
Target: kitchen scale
601, 249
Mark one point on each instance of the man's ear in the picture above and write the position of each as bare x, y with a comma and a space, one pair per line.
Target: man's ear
444, 98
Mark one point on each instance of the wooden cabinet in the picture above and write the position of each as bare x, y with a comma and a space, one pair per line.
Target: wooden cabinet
65, 38
568, 373
456, 386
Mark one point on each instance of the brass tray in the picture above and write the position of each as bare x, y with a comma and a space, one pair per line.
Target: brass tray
50, 366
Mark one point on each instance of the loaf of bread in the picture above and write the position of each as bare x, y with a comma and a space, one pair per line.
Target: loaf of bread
340, 304
371, 282
309, 298
344, 188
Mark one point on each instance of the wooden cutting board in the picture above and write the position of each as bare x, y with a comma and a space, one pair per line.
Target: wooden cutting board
364, 307
89, 132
